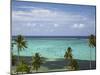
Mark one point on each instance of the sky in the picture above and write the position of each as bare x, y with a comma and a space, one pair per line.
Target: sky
52, 19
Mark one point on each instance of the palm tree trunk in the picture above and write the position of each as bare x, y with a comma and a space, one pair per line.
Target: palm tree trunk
36, 69
18, 55
18, 58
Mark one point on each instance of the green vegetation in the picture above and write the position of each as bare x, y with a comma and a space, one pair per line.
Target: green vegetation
12, 45
13, 59
23, 68
92, 43
68, 54
73, 64
36, 62
21, 44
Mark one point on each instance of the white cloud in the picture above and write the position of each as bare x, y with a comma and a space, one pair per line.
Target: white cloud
48, 20
33, 24
24, 7
43, 12
81, 25
29, 24
75, 26
40, 14
78, 25
56, 25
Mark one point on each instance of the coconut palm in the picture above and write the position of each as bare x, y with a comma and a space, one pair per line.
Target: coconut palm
68, 54
92, 43
21, 44
37, 61
73, 64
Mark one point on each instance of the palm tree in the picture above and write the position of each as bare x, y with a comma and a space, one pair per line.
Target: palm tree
21, 44
92, 43
37, 61
68, 54
73, 64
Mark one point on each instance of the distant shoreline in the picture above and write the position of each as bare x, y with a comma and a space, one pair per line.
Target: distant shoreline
54, 37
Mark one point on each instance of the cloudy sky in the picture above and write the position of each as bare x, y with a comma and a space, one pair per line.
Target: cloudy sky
46, 19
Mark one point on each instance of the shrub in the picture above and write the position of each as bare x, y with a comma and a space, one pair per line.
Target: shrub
22, 67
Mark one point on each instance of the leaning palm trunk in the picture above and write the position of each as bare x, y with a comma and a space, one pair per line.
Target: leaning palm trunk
18, 55
18, 58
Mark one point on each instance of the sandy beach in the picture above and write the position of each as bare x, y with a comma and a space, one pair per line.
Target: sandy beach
57, 64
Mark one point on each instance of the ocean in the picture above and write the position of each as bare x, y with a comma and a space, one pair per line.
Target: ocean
55, 47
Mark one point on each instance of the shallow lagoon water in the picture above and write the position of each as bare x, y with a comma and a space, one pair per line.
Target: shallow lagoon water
53, 48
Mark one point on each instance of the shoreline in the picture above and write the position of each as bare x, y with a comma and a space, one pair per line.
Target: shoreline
60, 63
47, 59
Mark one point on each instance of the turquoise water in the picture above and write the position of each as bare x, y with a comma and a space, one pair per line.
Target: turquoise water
56, 47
